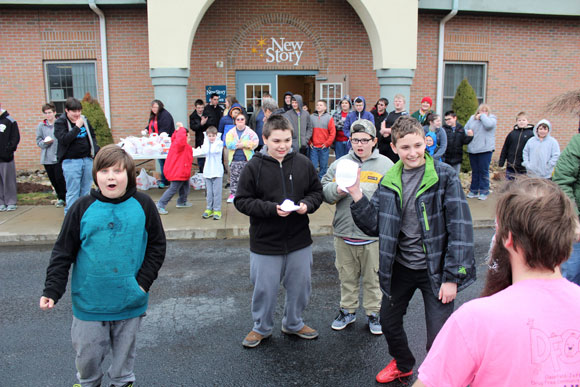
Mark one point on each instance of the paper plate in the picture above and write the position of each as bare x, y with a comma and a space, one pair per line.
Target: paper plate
288, 206
346, 172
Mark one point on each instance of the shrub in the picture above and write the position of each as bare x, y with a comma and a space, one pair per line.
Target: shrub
465, 105
94, 113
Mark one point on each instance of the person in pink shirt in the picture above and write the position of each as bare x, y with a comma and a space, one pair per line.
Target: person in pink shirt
525, 329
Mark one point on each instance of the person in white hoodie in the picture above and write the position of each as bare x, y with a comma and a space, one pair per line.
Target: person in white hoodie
541, 152
213, 173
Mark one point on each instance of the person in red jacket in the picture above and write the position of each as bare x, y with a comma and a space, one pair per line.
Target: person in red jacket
177, 169
323, 136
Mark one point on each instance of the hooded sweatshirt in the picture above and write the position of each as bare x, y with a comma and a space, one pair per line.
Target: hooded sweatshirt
340, 118
483, 133
354, 115
264, 183
9, 136
514, 146
301, 124
324, 131
541, 155
227, 122
286, 106
180, 157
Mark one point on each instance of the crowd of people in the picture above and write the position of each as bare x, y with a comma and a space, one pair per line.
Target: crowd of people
401, 223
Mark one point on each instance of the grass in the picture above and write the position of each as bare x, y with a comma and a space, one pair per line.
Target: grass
36, 199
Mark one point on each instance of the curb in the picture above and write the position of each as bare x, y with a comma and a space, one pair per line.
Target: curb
192, 233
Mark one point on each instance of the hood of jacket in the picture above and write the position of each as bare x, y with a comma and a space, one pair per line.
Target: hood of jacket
364, 102
298, 99
347, 99
545, 122
235, 106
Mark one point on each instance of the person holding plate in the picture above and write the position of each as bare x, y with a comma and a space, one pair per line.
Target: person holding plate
357, 254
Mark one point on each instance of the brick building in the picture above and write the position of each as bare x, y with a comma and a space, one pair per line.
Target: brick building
517, 56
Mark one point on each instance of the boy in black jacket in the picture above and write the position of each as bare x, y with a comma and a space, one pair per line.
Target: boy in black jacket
513, 147
9, 139
456, 138
280, 241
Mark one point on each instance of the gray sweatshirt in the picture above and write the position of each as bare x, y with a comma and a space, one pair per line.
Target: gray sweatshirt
541, 155
48, 153
483, 133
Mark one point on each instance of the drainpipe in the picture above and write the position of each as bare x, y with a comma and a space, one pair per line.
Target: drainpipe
440, 54
104, 59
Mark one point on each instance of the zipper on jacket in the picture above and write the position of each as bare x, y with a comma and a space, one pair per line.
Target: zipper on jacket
425, 217
283, 181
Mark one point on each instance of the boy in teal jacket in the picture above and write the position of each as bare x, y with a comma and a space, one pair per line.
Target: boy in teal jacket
115, 241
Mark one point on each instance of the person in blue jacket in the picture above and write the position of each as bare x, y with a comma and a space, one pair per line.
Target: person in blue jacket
359, 113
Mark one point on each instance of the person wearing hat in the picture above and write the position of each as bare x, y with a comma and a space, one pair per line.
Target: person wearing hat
425, 109
339, 116
357, 254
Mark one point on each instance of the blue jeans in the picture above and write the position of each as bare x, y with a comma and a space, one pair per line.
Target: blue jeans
340, 148
571, 267
480, 172
78, 175
319, 158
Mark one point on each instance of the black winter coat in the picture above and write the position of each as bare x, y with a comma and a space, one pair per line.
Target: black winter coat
513, 148
9, 136
265, 183
455, 141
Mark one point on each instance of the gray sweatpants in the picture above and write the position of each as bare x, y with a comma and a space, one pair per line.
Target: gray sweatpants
180, 187
92, 340
266, 272
7, 183
213, 193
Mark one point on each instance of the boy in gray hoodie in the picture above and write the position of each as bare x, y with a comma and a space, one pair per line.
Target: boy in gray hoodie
301, 123
541, 152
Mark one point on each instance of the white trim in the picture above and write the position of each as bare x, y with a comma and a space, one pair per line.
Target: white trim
338, 98
255, 84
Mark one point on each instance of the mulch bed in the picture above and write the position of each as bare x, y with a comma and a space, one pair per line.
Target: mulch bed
24, 188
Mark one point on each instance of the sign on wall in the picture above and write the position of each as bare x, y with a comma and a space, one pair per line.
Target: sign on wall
280, 50
219, 90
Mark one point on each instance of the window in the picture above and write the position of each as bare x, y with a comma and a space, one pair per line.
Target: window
331, 93
476, 74
254, 93
69, 79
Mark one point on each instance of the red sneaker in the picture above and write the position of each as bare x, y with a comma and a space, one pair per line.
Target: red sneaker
391, 372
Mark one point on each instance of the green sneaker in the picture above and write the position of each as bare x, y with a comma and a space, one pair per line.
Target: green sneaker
207, 214
217, 215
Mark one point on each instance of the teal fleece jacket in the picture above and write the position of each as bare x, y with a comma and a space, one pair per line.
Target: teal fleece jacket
117, 247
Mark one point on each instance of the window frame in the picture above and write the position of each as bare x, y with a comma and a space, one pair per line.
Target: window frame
484, 91
47, 83
255, 99
327, 98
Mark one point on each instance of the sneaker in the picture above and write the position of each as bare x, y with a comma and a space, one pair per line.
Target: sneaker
217, 215
472, 195
483, 196
253, 339
60, 203
184, 205
207, 214
162, 211
11, 207
2, 207
374, 324
161, 185
130, 384
227, 184
305, 333
230, 199
343, 320
391, 372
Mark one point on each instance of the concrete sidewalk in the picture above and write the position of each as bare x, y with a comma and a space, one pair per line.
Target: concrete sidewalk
41, 224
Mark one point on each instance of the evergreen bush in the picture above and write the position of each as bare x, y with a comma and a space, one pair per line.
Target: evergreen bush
94, 113
465, 105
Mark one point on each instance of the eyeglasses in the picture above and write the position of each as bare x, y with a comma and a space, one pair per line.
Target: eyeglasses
363, 141
240, 119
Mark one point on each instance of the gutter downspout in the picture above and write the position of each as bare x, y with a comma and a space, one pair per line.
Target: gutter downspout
440, 54
104, 59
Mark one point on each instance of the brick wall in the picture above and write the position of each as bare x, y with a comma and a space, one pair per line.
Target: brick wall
529, 61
